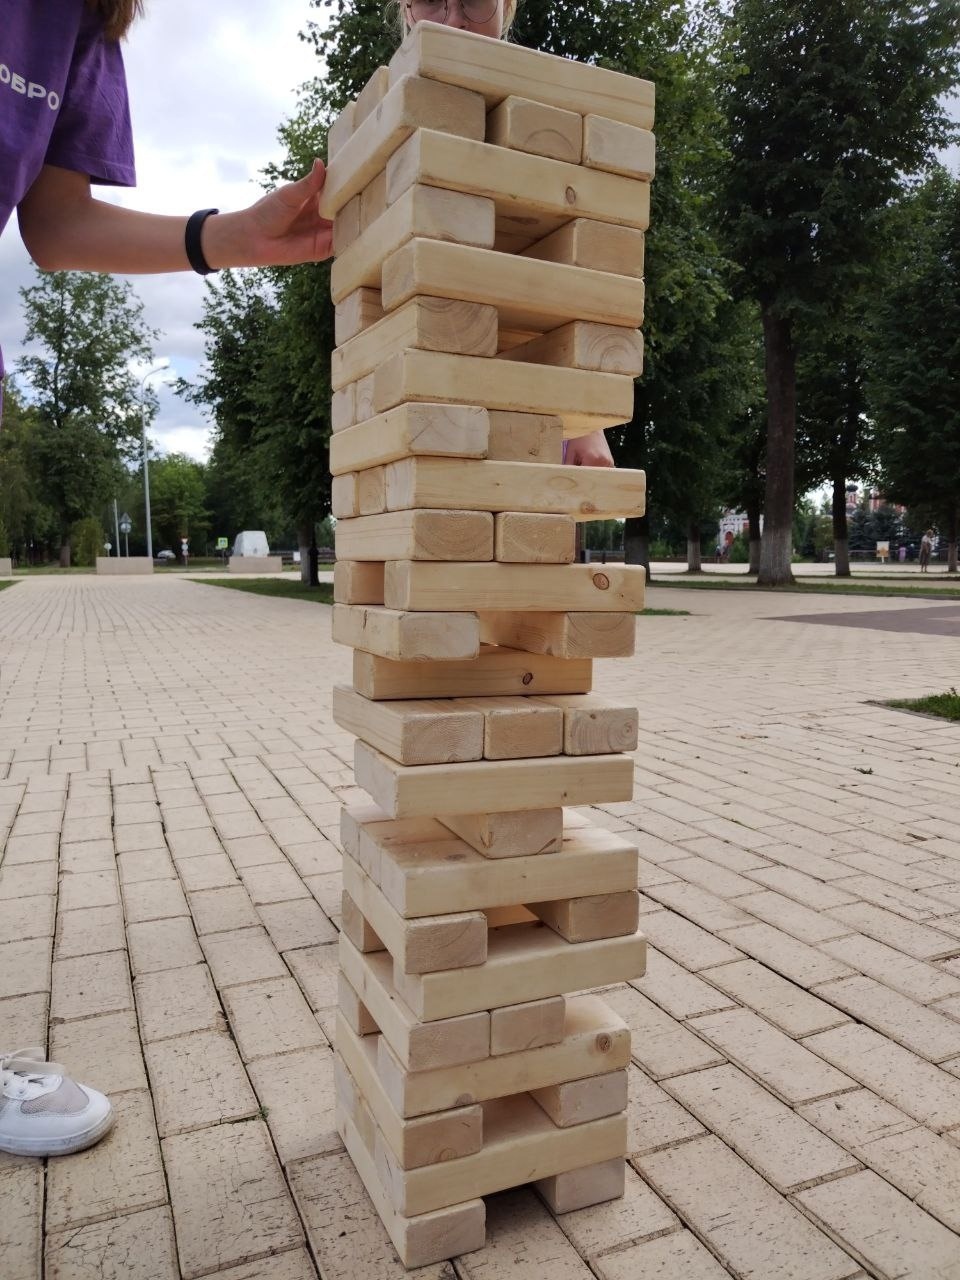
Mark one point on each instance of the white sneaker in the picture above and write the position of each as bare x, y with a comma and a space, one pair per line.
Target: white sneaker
45, 1113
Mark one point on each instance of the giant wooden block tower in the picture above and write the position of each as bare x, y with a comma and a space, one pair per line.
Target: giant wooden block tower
489, 204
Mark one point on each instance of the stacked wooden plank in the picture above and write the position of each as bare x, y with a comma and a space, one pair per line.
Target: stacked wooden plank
490, 205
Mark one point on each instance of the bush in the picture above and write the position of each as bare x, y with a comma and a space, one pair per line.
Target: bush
4, 540
86, 542
739, 550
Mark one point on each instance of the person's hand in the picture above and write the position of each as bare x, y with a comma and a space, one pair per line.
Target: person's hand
282, 229
590, 451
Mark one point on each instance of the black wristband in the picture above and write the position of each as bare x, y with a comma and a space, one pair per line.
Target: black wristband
191, 241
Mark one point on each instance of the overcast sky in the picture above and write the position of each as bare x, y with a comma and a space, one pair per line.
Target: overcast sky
209, 84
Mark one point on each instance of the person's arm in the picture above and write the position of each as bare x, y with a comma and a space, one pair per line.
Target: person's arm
590, 451
65, 229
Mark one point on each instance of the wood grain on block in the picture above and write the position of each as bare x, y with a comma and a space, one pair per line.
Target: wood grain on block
425, 212
525, 833
494, 671
409, 584
423, 945
527, 292
586, 493
578, 1101
343, 408
604, 348
519, 1142
414, 1143
340, 130
527, 1026
581, 1188
355, 582
594, 726
355, 312
525, 437
585, 401
436, 789
371, 95
365, 397
418, 1045
380, 832
513, 727
373, 200
620, 148
585, 919
346, 225
522, 537
411, 103
597, 246
426, 324
417, 535
344, 498
426, 1239
356, 926
563, 635
441, 430
413, 732
372, 491
495, 68
353, 1009
595, 1040
353, 818
518, 184
407, 637
524, 125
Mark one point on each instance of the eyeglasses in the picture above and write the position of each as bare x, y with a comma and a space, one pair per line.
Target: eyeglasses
436, 10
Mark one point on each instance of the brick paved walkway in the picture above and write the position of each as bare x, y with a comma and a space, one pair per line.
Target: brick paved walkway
169, 789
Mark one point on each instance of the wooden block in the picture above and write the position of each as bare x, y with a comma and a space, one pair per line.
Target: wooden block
372, 492
407, 637
619, 148
344, 499
409, 584
524, 538
381, 828
427, 324
426, 1239
373, 200
343, 408
533, 1025
371, 95
526, 833
597, 246
605, 348
595, 1041
353, 819
581, 1188
436, 875
346, 225
437, 789
524, 125
356, 927
417, 535
579, 1101
417, 1045
513, 727
584, 401
425, 212
353, 1010
357, 583
494, 69
351, 1104
586, 493
518, 1136
528, 293
414, 1143
493, 671
411, 103
524, 962
355, 312
410, 430
340, 130
365, 396
564, 635
417, 732
585, 919
525, 437
594, 726
424, 945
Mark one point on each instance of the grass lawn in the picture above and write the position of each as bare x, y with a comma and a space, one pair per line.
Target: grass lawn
944, 705
7, 583
812, 588
285, 587
664, 613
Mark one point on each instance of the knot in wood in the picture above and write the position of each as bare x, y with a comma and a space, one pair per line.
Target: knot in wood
570, 195
528, 677
604, 1043
601, 581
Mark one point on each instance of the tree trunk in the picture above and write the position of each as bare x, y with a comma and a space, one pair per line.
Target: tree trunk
781, 378
753, 536
636, 542
841, 539
64, 551
304, 535
694, 549
952, 540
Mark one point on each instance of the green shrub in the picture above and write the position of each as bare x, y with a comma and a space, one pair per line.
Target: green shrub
86, 542
4, 540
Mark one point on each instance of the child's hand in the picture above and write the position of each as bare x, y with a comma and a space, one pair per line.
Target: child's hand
280, 230
590, 451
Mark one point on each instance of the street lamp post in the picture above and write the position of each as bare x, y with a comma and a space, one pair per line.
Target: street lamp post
164, 364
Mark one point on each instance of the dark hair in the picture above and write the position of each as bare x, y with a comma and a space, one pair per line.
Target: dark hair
118, 15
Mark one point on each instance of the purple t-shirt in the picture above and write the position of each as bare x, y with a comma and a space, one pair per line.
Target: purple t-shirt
63, 99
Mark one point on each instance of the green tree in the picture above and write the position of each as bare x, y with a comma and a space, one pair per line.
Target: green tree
85, 330
830, 105
178, 501
915, 357
29, 524
87, 539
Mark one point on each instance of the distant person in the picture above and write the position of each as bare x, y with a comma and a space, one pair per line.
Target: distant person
926, 550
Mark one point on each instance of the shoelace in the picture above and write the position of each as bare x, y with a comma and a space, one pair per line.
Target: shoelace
28, 1063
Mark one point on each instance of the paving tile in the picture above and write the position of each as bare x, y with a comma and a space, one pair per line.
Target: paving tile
193, 844
521, 1230
799, 921
703, 908
315, 969
243, 955
928, 1033
88, 889
299, 923
198, 1080
27, 881
660, 1044
87, 985
923, 942
137, 1246
687, 943
145, 837
297, 1093
915, 978
22, 851
230, 1202
92, 855
24, 1019
665, 1258
162, 944
780, 1001
153, 900
209, 871
174, 1002
673, 988
253, 851
637, 1215
222, 910
120, 1174
271, 1017
792, 959
315, 857
90, 932
295, 1264
24, 918
103, 1051
145, 864
21, 1223
277, 882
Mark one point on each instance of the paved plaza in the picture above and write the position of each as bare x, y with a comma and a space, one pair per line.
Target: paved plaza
170, 783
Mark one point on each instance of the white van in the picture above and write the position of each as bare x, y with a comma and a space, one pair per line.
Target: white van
252, 542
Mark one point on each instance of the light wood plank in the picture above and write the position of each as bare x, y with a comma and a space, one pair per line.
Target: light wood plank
340, 130
344, 498
582, 1188
417, 732
373, 200
597, 246
372, 491
417, 535
357, 311
577, 1101
365, 390
357, 927
604, 348
371, 95
412, 430
564, 635
524, 538
493, 671
409, 584
594, 726
343, 408
585, 919
526, 833
353, 1010
524, 125
525, 437
533, 1025
346, 225
357, 583
514, 728
407, 637
619, 148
